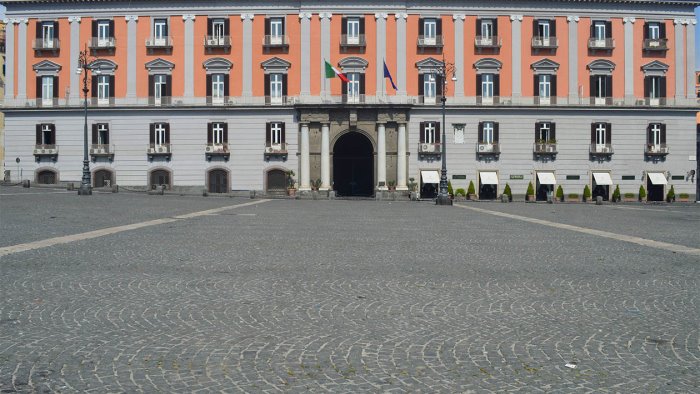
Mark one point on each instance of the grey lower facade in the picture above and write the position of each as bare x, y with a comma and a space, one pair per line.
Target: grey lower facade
515, 160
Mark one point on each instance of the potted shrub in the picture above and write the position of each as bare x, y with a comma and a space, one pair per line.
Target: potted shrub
671, 195
291, 184
642, 193
315, 184
530, 192
471, 191
391, 185
413, 188
560, 194
450, 191
629, 197
508, 192
616, 194
573, 197
586, 193
683, 197
460, 194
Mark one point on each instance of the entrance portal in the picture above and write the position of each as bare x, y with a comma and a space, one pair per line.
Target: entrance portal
353, 166
218, 181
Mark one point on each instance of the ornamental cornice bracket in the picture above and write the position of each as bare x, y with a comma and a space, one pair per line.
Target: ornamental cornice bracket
382, 15
74, 19
458, 16
400, 15
572, 18
519, 18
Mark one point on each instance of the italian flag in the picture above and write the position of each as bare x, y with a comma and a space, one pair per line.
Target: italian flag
331, 72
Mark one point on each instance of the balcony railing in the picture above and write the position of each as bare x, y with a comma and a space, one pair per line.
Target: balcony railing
272, 41
540, 100
97, 43
347, 41
45, 150
159, 43
487, 42
653, 101
655, 44
656, 150
101, 150
159, 150
159, 101
217, 42
221, 149
353, 98
601, 43
487, 100
539, 42
430, 41
601, 149
430, 100
41, 44
47, 102
545, 148
277, 100
485, 148
427, 149
601, 101
275, 150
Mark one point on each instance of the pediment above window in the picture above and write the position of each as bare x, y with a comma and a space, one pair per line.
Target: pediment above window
600, 66
46, 67
488, 65
545, 66
160, 66
103, 66
655, 68
353, 64
429, 65
276, 65
217, 65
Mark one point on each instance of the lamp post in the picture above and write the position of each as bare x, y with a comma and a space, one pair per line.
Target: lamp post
444, 197
83, 67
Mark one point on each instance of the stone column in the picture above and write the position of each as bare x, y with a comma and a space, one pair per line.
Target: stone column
381, 52
189, 56
690, 57
247, 60
305, 89
325, 157
304, 173
459, 54
74, 92
573, 59
629, 59
401, 159
516, 57
678, 69
401, 53
22, 59
131, 48
9, 60
325, 51
381, 156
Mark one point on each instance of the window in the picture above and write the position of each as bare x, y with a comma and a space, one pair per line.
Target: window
544, 33
274, 31
430, 132
276, 88
217, 134
601, 88
103, 89
656, 138
275, 80
100, 134
488, 133
160, 135
353, 30
599, 30
46, 135
543, 29
48, 88
601, 137
545, 86
159, 89
601, 35
102, 34
275, 137
486, 28
600, 134
653, 30
353, 86
160, 31
218, 91
655, 134
218, 28
429, 87
429, 30
545, 132
48, 33
217, 33
655, 88
160, 177
487, 80
487, 85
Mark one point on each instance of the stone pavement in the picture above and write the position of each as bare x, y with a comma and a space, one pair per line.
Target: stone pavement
344, 296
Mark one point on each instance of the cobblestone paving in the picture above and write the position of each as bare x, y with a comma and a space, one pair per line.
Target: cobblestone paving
346, 296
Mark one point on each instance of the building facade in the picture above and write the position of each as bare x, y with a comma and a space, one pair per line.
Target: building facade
230, 95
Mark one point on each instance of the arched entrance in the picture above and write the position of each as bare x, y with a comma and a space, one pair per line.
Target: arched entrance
46, 177
276, 180
218, 181
103, 178
353, 165
159, 177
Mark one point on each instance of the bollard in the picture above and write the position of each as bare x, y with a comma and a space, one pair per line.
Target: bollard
115, 189
26, 183
252, 194
205, 193
504, 198
599, 200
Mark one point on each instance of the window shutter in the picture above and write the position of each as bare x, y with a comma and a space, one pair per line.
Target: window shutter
268, 133
593, 126
38, 87
112, 86
495, 27
553, 131
608, 86
165, 30
536, 86
663, 133
344, 25
646, 30
608, 29
422, 132
478, 85
481, 132
152, 133
662, 29
39, 32
93, 86
282, 136
495, 132
538, 126
55, 30
94, 133
553, 27
151, 86
94, 28
593, 86
209, 88
421, 26
362, 24
647, 86
421, 86
111, 28
38, 134
227, 26
267, 84
210, 133
438, 27
225, 126
267, 26
662, 86
168, 85
106, 140
478, 27
362, 83
55, 87
210, 27
438, 85
535, 28
167, 132
553, 80
438, 133
650, 134
226, 85
284, 85
52, 135
284, 21
496, 85
592, 29
608, 133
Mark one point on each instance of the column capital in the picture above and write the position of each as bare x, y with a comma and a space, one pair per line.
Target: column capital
304, 124
572, 18
187, 17
630, 19
381, 123
325, 15
458, 16
401, 16
131, 18
9, 21
693, 21
679, 21
382, 15
519, 18
304, 15
247, 16
74, 19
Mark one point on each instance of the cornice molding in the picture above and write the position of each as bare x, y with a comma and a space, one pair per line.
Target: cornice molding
572, 18
74, 19
459, 16
131, 18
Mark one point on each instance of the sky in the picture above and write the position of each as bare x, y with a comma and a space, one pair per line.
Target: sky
697, 35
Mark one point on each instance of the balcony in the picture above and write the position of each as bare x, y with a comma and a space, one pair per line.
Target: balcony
539, 42
544, 148
162, 150
539, 100
487, 100
429, 149
217, 42
604, 44
276, 150
47, 102
604, 150
46, 150
430, 100
158, 43
106, 44
600, 101
352, 42
430, 42
271, 42
40, 44
353, 98
159, 101
655, 44
102, 150
660, 150
653, 101
278, 100
218, 150
487, 42
485, 149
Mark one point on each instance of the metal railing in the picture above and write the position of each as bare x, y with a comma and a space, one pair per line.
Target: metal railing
159, 149
276, 149
45, 149
655, 44
41, 44
545, 148
656, 150
159, 42
429, 148
275, 100
596, 101
601, 149
217, 149
433, 41
353, 98
488, 100
601, 43
102, 43
545, 42
353, 41
217, 41
101, 149
485, 148
488, 41
271, 41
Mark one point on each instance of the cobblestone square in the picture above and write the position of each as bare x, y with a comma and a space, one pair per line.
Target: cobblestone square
133, 293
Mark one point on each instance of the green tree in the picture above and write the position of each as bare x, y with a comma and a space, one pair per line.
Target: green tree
530, 189
471, 189
616, 193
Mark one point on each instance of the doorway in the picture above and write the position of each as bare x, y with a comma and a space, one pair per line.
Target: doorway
103, 178
353, 165
218, 181
488, 185
46, 177
601, 185
545, 185
160, 177
655, 186
276, 181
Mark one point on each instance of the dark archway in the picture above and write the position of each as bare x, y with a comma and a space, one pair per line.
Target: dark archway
102, 178
160, 177
353, 165
276, 180
218, 181
46, 177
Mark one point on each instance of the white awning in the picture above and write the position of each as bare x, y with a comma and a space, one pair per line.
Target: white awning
488, 178
657, 178
430, 176
546, 178
602, 178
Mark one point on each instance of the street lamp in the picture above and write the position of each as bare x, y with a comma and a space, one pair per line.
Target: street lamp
446, 69
83, 65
